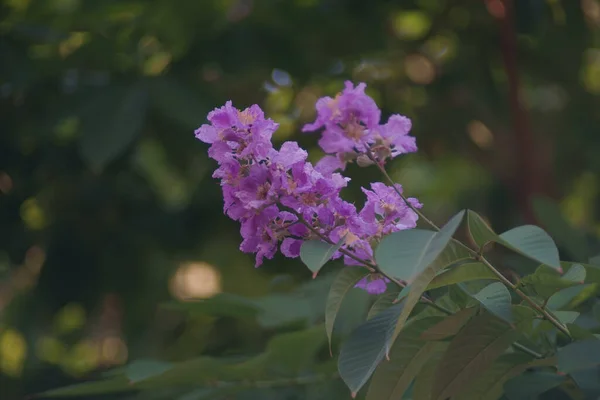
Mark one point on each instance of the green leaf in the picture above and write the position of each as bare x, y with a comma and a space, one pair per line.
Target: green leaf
405, 254
470, 353
222, 304
111, 121
592, 272
531, 385
344, 281
438, 246
528, 240
533, 242
579, 355
140, 370
550, 215
575, 274
450, 326
114, 385
480, 231
423, 384
570, 295
566, 317
366, 347
489, 386
384, 301
315, 253
408, 355
587, 380
496, 298
471, 271
294, 352
546, 281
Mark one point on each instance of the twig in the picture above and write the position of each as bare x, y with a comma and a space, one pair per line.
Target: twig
477, 256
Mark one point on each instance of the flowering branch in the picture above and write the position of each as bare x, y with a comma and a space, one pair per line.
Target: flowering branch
476, 256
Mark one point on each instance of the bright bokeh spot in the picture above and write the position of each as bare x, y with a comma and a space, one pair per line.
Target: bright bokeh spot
419, 69
113, 351
286, 127
591, 10
411, 24
66, 130
33, 215
157, 63
480, 134
50, 350
279, 100
577, 206
195, 280
13, 350
82, 358
72, 43
6, 182
591, 71
70, 318
441, 47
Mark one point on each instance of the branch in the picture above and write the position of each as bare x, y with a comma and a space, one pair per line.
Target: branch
547, 315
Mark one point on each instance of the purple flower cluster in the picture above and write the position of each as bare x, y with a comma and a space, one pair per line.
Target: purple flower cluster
281, 200
351, 127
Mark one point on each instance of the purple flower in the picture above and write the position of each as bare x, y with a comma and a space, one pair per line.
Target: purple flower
386, 210
351, 128
281, 200
373, 284
348, 120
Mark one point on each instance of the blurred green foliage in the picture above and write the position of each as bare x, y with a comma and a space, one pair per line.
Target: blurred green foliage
107, 205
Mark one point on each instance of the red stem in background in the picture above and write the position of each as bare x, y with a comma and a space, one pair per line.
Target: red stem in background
528, 179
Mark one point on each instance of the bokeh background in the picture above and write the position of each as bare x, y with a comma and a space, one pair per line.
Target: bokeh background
109, 217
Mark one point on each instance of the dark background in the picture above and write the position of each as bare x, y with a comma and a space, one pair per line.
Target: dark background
107, 205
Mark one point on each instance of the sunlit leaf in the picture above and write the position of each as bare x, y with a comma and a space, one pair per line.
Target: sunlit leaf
408, 355
532, 384
462, 273
362, 352
470, 353
315, 253
496, 298
579, 355
450, 326
344, 281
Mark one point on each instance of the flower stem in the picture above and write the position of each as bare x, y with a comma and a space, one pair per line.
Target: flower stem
477, 256
371, 266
